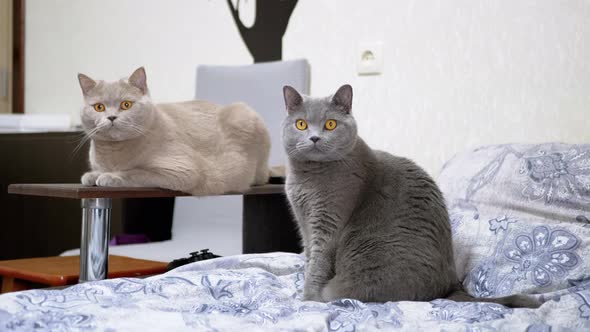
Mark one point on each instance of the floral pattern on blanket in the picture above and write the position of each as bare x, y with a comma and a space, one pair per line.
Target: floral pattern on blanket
262, 292
558, 175
546, 254
534, 201
467, 312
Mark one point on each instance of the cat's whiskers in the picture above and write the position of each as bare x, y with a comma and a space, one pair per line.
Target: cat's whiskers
137, 128
77, 137
133, 127
295, 149
290, 151
85, 137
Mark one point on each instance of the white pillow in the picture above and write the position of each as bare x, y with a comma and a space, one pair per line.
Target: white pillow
520, 217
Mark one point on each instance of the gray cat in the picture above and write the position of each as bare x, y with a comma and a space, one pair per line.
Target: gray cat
374, 226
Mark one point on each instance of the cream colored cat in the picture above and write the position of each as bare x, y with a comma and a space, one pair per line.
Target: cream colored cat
194, 146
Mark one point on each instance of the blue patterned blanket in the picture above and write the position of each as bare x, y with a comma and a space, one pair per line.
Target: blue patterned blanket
262, 292
520, 225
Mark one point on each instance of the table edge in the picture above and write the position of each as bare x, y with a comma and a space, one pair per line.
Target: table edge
41, 190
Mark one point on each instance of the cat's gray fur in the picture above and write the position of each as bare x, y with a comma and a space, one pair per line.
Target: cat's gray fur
374, 226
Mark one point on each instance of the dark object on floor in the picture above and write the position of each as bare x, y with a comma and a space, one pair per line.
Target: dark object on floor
196, 256
129, 239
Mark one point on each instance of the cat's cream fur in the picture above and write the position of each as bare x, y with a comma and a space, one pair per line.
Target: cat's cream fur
194, 146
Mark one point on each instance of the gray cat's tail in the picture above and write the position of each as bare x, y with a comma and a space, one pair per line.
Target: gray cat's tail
513, 301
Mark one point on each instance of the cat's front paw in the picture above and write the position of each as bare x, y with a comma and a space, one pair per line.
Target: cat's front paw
110, 180
89, 178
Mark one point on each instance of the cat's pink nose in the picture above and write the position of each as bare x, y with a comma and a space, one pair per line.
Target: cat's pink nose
112, 118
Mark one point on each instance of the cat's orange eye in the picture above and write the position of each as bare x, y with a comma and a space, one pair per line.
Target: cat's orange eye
330, 124
301, 124
99, 107
126, 104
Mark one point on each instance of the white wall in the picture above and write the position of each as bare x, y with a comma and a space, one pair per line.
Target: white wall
458, 73
108, 39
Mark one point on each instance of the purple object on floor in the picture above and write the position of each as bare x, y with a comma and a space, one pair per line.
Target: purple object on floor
128, 239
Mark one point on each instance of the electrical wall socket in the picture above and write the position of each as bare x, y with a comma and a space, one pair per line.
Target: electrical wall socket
369, 58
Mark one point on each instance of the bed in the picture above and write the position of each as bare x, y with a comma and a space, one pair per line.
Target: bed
520, 224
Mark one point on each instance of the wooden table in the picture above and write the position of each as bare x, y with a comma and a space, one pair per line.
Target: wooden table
22, 274
267, 222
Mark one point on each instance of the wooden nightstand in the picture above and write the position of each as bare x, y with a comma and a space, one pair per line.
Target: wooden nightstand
23, 274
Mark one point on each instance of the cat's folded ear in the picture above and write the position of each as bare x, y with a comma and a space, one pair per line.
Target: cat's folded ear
138, 79
343, 98
86, 83
292, 98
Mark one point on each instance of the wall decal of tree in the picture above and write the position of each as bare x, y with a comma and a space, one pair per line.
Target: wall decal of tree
264, 39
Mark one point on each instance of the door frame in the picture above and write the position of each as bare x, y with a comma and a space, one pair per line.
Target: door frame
18, 56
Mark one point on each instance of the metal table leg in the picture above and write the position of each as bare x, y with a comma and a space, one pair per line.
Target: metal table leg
94, 243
